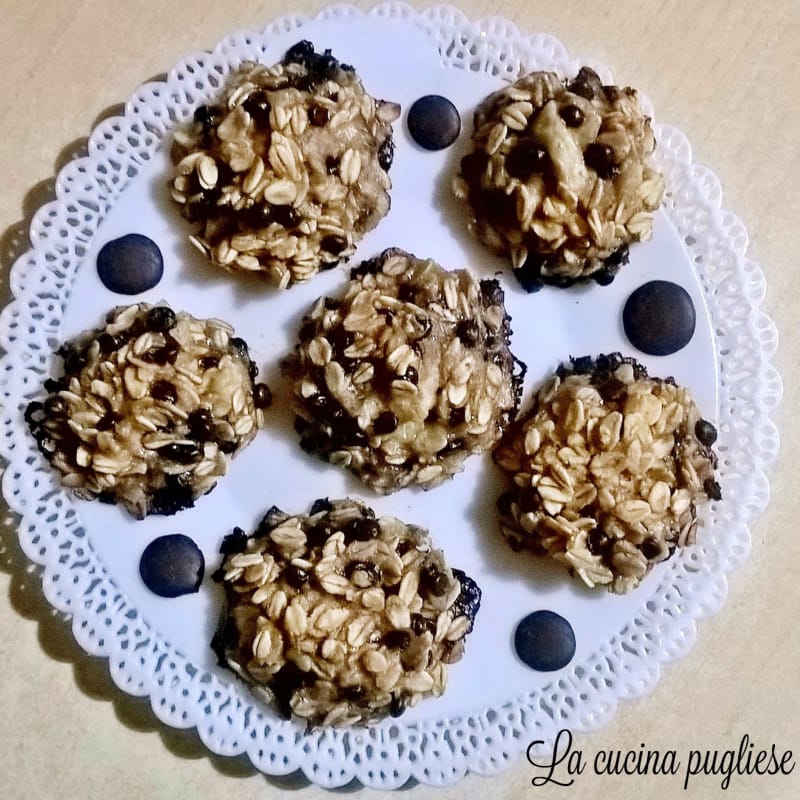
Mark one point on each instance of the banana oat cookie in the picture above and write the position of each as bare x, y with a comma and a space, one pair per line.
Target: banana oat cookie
338, 617
560, 179
608, 469
149, 409
288, 170
406, 373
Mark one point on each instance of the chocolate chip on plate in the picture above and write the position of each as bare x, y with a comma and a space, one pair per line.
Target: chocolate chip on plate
172, 565
545, 641
130, 265
434, 122
659, 318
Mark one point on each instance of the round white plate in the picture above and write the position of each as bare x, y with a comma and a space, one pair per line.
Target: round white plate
494, 705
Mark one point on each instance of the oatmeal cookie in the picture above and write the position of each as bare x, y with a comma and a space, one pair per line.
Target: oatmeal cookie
288, 170
608, 470
559, 179
338, 617
406, 373
149, 409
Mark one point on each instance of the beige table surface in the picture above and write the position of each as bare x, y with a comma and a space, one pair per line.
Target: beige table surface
727, 75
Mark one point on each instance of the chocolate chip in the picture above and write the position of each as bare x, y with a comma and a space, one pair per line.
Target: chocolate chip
201, 425
160, 319
586, 84
164, 390
529, 274
340, 339
56, 384
421, 625
411, 375
333, 244
239, 347
285, 216
259, 109
604, 277
332, 164
572, 115
207, 116
74, 359
286, 682
320, 505
491, 292
273, 517
370, 266
650, 548
180, 453
325, 66
174, 496
299, 52
107, 421
296, 576
582, 365
474, 165
468, 331
361, 530
712, 489
527, 159
54, 406
433, 581
618, 257
398, 705
386, 153
396, 639
385, 422
599, 542
705, 432
601, 158
318, 116
262, 396
108, 343
608, 362
355, 694
234, 542
166, 354
319, 534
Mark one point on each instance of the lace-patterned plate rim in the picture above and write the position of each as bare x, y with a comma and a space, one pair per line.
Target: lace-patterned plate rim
388, 755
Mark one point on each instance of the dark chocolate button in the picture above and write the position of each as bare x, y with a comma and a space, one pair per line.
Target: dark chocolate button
130, 265
434, 122
659, 318
545, 641
172, 565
